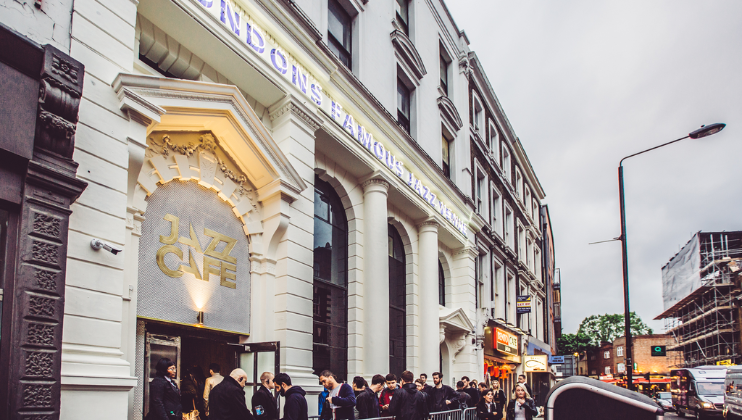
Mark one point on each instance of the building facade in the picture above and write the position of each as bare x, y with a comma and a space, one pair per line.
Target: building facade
642, 355
265, 190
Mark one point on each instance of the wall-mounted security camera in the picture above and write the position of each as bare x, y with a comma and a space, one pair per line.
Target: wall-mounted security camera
97, 244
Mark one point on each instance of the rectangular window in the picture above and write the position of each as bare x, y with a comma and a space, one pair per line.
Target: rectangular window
607, 355
492, 142
506, 162
518, 184
446, 156
477, 112
444, 75
339, 32
537, 263
527, 200
509, 228
619, 351
496, 212
403, 15
521, 243
403, 105
481, 192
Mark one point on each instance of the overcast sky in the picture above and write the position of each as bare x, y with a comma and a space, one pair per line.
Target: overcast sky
585, 83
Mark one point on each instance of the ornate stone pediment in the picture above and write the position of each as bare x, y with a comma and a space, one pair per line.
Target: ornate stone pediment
407, 51
449, 112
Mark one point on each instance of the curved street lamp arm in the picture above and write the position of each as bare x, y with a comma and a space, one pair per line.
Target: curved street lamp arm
652, 148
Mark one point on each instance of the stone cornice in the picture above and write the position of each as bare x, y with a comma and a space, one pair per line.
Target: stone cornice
466, 251
292, 107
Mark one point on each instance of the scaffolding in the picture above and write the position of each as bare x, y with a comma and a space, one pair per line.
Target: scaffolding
705, 324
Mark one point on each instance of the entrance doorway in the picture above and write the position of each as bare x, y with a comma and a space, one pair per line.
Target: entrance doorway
194, 349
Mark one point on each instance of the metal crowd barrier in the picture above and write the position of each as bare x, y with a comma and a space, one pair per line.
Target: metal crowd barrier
447, 415
470, 414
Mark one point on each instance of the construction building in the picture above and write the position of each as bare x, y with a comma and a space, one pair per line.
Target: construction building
701, 295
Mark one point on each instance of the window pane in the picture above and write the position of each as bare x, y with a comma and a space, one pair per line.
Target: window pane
403, 99
330, 300
444, 74
445, 149
339, 24
441, 286
397, 303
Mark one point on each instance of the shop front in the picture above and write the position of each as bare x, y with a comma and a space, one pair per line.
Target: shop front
537, 369
501, 356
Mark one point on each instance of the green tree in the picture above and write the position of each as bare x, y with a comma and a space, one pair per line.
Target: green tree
609, 327
573, 343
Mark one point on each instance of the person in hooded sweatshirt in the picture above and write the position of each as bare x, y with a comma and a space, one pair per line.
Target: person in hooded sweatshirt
407, 402
227, 400
295, 406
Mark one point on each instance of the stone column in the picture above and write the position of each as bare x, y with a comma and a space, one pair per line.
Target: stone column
284, 289
35, 302
428, 277
376, 277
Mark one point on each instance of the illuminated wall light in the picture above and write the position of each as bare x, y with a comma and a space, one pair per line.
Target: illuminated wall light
200, 317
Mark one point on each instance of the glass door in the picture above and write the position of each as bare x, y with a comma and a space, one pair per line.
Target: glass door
158, 346
254, 359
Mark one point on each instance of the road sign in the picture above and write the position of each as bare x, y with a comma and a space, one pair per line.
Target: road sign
659, 351
556, 360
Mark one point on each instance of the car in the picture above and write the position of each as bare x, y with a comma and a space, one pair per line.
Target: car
664, 400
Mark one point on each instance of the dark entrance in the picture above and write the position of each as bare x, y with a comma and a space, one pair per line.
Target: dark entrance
194, 349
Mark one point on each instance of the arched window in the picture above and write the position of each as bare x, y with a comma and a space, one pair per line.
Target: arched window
441, 285
397, 304
330, 336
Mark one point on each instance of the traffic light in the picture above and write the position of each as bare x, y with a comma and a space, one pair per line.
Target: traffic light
646, 376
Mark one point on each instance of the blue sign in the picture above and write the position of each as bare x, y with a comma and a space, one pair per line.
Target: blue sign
556, 360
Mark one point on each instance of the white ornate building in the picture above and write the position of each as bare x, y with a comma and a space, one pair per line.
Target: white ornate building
291, 186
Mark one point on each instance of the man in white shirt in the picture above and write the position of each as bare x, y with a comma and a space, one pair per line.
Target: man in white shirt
215, 379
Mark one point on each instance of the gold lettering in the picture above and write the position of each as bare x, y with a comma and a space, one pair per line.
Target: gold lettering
161, 260
192, 242
218, 237
193, 268
174, 226
209, 264
225, 275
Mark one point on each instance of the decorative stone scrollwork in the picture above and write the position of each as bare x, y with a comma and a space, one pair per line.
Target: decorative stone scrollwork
292, 108
46, 280
41, 306
45, 252
59, 101
37, 396
39, 364
46, 225
40, 335
460, 344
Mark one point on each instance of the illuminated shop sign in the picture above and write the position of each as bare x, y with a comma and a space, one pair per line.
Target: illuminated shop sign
506, 342
236, 21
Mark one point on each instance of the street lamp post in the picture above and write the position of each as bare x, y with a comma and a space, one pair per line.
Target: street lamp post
704, 131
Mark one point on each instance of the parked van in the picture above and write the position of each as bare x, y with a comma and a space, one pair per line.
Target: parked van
698, 391
733, 393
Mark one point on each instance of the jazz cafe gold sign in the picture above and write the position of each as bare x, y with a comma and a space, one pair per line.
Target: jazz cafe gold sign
217, 263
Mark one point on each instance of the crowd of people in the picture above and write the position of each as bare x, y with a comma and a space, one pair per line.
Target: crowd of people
404, 398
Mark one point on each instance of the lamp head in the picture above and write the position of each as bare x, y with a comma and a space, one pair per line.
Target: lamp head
707, 130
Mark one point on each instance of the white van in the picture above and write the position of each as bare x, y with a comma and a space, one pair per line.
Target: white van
733, 394
698, 392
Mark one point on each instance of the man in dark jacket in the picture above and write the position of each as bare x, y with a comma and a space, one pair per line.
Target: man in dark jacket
426, 386
227, 400
471, 390
295, 407
440, 395
263, 403
367, 403
407, 402
342, 399
461, 400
